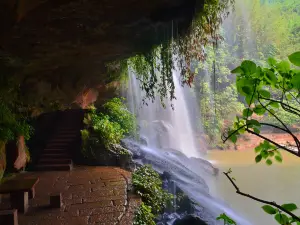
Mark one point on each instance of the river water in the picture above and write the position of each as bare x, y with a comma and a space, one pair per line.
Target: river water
279, 183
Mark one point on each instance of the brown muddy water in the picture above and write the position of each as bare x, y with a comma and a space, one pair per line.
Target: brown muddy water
279, 183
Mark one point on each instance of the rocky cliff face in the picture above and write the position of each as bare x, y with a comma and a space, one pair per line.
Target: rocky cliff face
64, 44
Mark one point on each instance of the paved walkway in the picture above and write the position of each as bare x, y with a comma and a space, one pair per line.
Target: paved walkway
91, 195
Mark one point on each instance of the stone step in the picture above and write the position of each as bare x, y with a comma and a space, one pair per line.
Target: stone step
54, 161
56, 145
55, 150
55, 167
67, 131
65, 135
55, 156
61, 140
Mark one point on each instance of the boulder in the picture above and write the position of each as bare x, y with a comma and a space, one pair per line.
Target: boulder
116, 155
144, 141
190, 220
134, 148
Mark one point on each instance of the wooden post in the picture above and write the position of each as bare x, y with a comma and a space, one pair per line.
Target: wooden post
19, 200
9, 217
56, 200
31, 193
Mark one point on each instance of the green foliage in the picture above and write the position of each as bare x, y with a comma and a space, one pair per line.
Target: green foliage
218, 98
147, 184
85, 138
227, 220
110, 126
275, 25
144, 216
12, 127
107, 131
24, 129
266, 151
8, 123
282, 217
118, 112
154, 69
266, 91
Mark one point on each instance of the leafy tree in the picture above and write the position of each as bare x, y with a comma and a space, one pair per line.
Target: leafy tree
265, 90
255, 29
108, 127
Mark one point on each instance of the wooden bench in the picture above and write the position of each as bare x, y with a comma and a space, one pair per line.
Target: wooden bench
9, 217
20, 190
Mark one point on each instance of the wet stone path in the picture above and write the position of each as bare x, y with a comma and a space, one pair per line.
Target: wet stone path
90, 196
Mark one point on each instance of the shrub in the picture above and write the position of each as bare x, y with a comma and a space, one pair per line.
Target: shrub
144, 216
118, 112
147, 184
84, 136
108, 132
12, 127
24, 129
8, 123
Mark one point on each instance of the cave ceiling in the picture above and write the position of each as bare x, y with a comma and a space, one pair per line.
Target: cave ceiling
63, 45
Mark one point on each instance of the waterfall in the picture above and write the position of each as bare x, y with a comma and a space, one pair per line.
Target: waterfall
170, 145
164, 128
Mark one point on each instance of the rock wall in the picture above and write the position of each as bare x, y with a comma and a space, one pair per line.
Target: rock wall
64, 45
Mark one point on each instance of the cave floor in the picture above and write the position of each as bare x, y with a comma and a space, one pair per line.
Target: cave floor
90, 195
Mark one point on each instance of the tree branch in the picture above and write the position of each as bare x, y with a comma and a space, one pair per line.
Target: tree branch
260, 200
285, 106
275, 126
274, 143
226, 138
287, 129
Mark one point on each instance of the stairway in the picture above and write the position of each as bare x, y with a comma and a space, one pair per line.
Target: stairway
57, 155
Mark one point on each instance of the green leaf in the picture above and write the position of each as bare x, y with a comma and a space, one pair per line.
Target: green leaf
278, 158
259, 110
249, 99
289, 97
233, 138
270, 76
258, 149
249, 67
247, 90
237, 70
281, 218
274, 104
271, 153
284, 66
272, 61
269, 209
296, 81
256, 130
269, 162
264, 154
265, 93
258, 158
295, 58
247, 112
289, 207
253, 122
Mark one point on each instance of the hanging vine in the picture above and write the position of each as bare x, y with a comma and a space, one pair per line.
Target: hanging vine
154, 69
